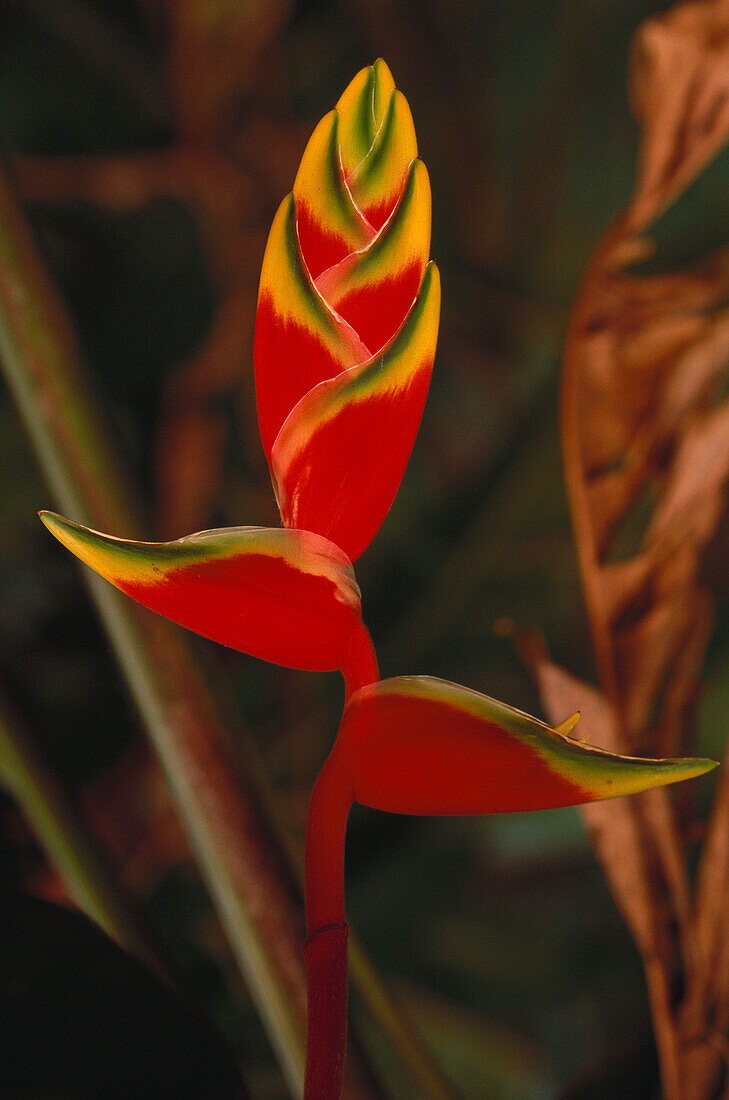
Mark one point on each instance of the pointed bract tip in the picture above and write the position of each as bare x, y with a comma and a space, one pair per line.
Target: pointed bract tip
566, 727
383, 73
700, 766
656, 773
82, 541
59, 526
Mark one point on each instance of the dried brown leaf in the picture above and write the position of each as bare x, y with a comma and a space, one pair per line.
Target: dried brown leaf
693, 497
704, 1017
676, 720
629, 836
646, 448
712, 914
644, 655
680, 96
647, 466
660, 340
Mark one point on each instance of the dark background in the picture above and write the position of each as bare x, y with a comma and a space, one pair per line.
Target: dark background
499, 934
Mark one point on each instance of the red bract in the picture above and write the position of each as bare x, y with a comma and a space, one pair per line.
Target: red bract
284, 596
345, 337
418, 745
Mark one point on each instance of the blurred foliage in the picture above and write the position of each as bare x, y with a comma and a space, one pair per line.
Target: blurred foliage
499, 935
83, 1019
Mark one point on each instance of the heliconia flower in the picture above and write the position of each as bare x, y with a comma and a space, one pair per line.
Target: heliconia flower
345, 338
347, 318
417, 745
285, 596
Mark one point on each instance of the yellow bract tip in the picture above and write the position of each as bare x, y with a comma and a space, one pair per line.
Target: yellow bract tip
566, 727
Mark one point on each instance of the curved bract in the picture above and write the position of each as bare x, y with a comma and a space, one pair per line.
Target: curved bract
346, 290
334, 457
419, 745
285, 596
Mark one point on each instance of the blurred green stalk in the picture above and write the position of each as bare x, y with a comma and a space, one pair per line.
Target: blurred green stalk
240, 859
49, 814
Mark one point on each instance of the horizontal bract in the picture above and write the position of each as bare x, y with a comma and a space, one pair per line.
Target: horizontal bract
344, 284
285, 596
419, 745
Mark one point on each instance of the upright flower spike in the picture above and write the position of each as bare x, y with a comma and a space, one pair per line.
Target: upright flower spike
347, 318
284, 596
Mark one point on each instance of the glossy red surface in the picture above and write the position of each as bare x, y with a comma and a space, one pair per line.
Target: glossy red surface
420, 756
320, 248
378, 213
376, 311
289, 360
342, 479
325, 956
257, 604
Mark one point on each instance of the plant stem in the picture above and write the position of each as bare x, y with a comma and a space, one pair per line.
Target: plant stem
377, 998
325, 952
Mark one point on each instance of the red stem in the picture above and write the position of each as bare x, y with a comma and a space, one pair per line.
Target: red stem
331, 800
325, 955
325, 952
326, 827
359, 664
